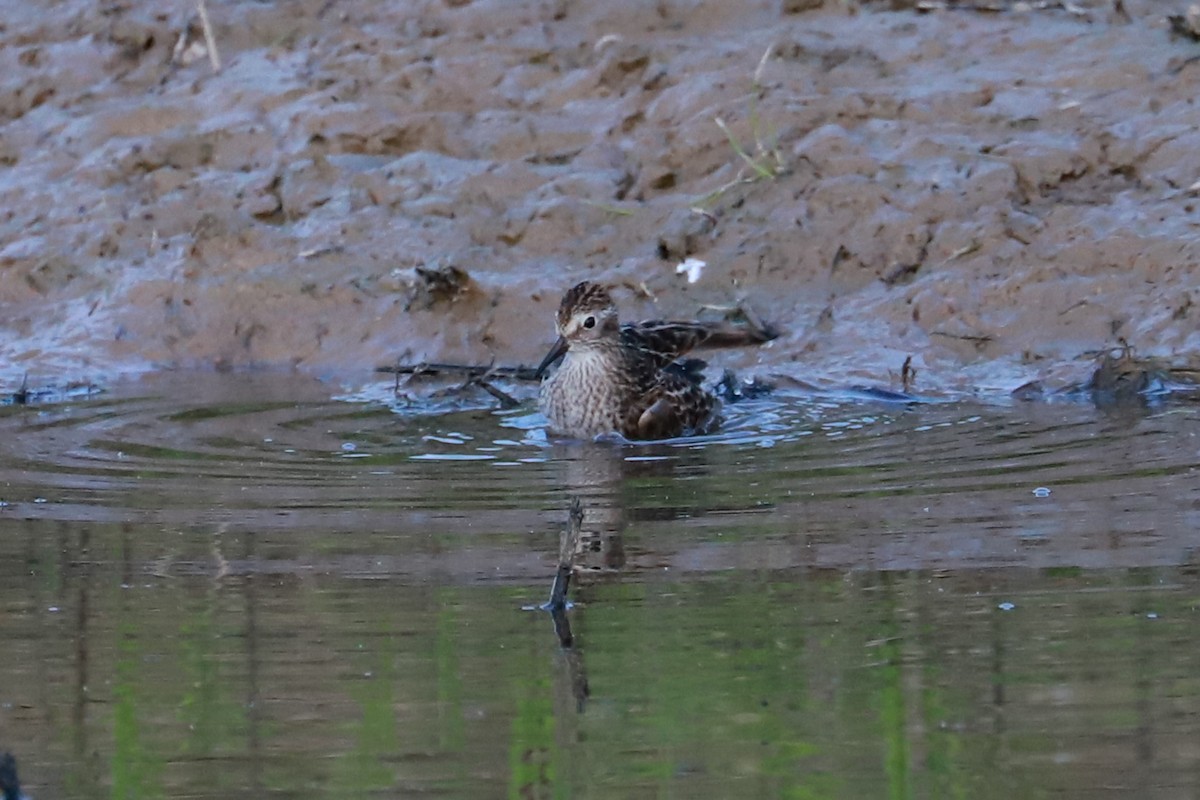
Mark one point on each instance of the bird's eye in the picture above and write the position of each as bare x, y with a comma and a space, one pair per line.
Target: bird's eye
590, 322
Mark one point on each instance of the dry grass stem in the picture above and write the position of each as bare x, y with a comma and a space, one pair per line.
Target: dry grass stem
209, 39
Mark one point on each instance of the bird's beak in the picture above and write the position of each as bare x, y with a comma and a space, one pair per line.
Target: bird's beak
556, 352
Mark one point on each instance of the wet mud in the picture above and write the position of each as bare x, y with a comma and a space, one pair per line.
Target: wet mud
941, 199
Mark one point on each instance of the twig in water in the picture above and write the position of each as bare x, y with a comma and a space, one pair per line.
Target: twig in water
908, 374
519, 373
506, 399
568, 545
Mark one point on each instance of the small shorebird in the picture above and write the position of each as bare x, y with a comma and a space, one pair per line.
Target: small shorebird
626, 378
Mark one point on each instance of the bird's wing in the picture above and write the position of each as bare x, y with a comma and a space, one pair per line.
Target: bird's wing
663, 341
675, 405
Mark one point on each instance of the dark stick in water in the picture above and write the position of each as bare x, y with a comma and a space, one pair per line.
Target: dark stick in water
567, 547
518, 373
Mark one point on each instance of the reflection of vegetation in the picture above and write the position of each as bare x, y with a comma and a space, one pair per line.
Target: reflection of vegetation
451, 735
372, 681
531, 754
228, 410
945, 749
747, 683
727, 709
893, 720
135, 770
210, 717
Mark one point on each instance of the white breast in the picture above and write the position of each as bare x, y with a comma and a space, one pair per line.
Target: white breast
579, 399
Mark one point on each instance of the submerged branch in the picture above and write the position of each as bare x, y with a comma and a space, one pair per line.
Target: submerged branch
466, 371
568, 546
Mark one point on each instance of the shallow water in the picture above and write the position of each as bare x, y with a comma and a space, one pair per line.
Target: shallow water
234, 586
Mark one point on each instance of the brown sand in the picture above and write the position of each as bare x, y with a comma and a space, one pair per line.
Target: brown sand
997, 195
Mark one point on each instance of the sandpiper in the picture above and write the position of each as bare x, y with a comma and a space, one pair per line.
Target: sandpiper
627, 379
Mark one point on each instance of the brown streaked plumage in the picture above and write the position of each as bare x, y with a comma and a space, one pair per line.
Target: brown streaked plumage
627, 379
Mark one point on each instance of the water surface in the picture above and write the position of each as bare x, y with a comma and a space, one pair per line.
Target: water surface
235, 586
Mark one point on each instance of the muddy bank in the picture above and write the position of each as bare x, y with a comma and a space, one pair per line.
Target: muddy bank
997, 195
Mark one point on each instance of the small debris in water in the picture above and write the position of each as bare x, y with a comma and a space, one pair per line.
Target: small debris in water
349, 447
1006, 606
1151, 615
1041, 491
732, 388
